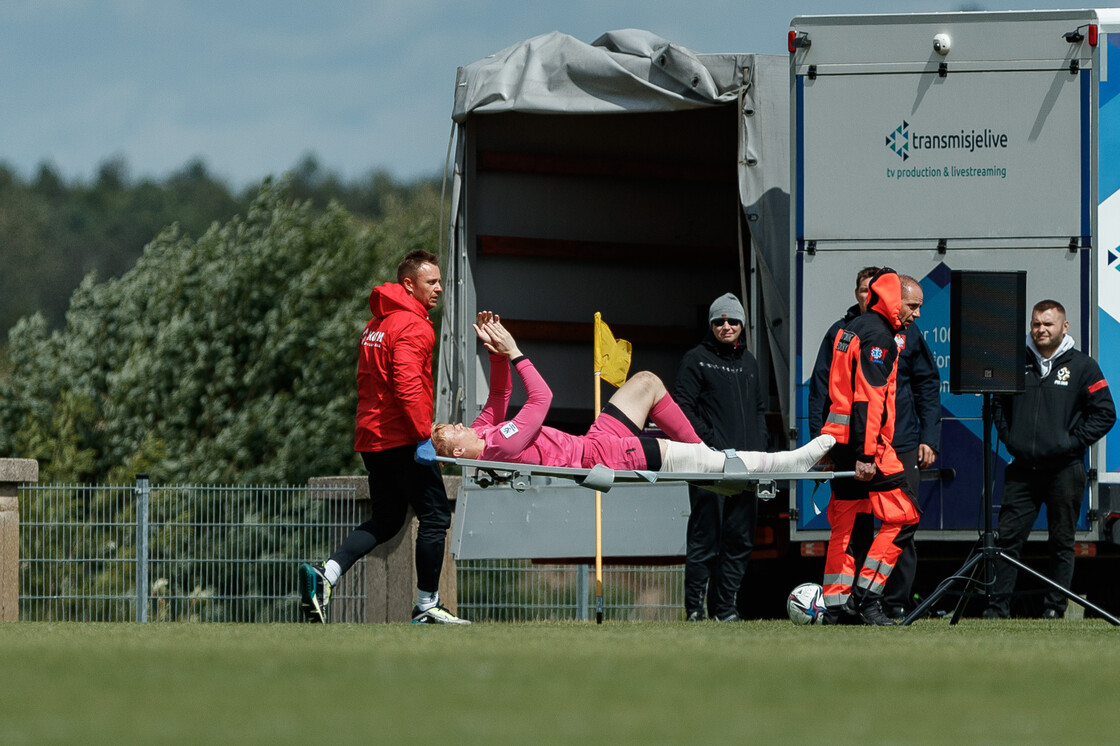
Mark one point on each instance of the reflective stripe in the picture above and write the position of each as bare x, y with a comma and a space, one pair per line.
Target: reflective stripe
838, 419
871, 586
878, 566
839, 579
836, 600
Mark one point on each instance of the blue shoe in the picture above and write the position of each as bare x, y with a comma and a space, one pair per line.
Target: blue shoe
315, 593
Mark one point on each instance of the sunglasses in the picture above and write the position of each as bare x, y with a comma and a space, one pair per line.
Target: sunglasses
729, 322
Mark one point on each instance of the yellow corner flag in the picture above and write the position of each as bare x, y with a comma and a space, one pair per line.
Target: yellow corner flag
612, 356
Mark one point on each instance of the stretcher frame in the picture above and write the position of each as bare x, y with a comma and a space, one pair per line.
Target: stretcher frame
601, 478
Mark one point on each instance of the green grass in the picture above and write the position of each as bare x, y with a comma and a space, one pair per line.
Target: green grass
768, 682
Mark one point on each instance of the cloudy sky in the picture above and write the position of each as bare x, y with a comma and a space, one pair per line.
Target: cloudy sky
251, 87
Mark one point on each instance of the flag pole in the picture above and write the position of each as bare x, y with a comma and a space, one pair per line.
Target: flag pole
598, 528
598, 494
615, 362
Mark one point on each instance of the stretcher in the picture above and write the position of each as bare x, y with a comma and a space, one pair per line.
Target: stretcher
734, 479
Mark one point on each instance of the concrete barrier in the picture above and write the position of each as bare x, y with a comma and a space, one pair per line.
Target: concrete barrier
13, 472
390, 577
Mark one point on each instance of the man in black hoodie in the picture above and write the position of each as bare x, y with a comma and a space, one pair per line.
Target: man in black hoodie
1065, 407
718, 388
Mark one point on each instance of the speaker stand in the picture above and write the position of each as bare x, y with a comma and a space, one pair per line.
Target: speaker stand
988, 553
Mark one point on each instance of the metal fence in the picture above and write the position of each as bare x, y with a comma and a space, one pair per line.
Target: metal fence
178, 552
521, 590
214, 553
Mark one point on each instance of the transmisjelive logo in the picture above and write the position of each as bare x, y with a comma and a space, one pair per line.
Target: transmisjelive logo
903, 142
899, 140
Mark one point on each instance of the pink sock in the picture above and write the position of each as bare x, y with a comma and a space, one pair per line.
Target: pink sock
668, 416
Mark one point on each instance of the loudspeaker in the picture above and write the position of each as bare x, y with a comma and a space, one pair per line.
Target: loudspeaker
987, 333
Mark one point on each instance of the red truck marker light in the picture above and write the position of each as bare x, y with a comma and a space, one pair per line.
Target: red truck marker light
798, 41
814, 548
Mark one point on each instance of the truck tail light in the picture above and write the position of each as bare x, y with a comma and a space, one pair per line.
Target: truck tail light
813, 548
1085, 549
1092, 34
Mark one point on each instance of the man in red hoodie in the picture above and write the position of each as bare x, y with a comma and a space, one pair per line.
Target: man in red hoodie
393, 434
861, 393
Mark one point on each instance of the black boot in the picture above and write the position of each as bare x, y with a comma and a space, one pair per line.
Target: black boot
871, 612
845, 614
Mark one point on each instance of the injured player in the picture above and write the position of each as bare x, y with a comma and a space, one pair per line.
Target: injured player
614, 440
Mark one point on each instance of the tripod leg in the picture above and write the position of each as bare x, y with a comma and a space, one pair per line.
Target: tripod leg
942, 589
1064, 591
963, 601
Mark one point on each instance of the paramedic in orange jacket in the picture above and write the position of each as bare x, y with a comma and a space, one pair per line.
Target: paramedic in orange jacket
861, 418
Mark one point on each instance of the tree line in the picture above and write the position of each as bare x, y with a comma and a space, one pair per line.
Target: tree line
53, 233
224, 350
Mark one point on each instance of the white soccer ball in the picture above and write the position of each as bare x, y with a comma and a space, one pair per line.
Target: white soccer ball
805, 604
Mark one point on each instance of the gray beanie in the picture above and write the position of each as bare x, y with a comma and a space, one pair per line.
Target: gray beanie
726, 306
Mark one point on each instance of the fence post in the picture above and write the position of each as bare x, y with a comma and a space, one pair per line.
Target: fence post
13, 472
582, 589
141, 491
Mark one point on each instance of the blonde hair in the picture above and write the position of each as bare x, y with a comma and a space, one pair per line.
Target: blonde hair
439, 439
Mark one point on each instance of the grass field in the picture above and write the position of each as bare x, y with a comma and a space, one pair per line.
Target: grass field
767, 682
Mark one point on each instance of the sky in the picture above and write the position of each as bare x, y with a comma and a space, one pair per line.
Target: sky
251, 87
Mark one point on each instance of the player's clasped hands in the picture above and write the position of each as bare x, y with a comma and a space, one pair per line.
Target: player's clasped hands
482, 321
495, 337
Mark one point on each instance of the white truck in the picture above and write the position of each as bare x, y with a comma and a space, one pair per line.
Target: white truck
961, 141
636, 178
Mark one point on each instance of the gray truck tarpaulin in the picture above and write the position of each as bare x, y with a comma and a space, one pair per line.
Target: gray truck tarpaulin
621, 71
634, 71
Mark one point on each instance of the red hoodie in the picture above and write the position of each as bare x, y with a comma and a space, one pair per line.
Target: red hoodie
394, 372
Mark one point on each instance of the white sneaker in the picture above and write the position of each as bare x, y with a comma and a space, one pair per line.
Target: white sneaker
438, 614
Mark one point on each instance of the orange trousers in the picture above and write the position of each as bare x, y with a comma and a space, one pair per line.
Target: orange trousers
899, 517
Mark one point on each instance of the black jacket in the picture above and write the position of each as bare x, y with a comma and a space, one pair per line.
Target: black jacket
917, 408
1055, 419
917, 403
818, 381
718, 388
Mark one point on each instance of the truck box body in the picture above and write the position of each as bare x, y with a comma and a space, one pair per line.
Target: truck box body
638, 179
614, 177
998, 154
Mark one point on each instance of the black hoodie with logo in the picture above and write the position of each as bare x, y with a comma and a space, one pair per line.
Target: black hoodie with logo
1057, 417
719, 389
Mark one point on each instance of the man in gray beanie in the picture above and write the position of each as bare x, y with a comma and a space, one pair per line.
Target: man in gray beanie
727, 306
718, 387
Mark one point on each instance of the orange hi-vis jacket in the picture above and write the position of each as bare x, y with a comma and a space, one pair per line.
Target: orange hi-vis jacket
861, 380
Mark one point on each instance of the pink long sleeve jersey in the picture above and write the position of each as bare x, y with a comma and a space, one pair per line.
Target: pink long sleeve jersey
526, 440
